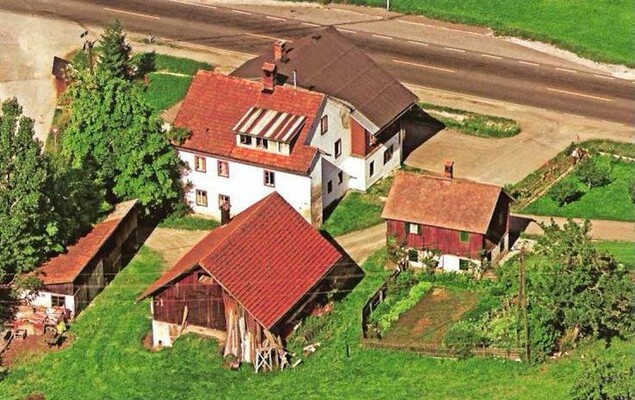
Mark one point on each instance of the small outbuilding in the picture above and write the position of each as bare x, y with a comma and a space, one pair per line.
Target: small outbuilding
457, 221
72, 280
249, 281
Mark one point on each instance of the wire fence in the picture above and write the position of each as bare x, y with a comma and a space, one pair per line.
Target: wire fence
433, 350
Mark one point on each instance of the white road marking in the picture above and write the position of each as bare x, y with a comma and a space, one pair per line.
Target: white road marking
603, 76
131, 13
262, 36
579, 94
206, 48
529, 63
345, 30
424, 66
442, 27
567, 70
491, 56
419, 43
194, 4
352, 12
309, 24
453, 49
241, 12
382, 37
275, 18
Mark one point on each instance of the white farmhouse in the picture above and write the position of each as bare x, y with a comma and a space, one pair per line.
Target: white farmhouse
309, 127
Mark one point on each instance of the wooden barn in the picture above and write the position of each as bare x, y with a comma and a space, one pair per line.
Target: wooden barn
73, 279
249, 281
465, 221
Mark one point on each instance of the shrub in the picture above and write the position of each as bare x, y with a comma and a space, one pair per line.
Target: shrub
463, 337
632, 190
564, 192
592, 174
605, 379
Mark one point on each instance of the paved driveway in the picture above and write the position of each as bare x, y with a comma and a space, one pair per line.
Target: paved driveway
500, 161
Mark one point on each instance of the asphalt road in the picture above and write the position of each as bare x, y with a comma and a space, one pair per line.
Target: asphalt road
415, 62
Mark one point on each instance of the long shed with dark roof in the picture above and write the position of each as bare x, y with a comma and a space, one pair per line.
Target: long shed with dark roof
246, 281
73, 279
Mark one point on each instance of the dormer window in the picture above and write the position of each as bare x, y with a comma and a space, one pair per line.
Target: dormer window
268, 130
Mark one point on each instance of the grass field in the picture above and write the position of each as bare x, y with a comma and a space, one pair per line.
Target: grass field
472, 123
611, 202
598, 29
107, 360
358, 210
170, 80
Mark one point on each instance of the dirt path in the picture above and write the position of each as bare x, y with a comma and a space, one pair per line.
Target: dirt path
600, 229
173, 243
429, 320
361, 244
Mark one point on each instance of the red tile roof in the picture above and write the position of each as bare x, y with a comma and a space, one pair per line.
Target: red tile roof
456, 203
268, 257
215, 103
65, 267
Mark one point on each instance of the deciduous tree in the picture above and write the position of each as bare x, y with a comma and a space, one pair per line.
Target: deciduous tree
29, 227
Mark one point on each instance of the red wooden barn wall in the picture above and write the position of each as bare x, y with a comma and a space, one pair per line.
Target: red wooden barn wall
203, 300
431, 237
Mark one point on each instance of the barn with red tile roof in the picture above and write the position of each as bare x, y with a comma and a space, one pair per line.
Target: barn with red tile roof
465, 221
248, 280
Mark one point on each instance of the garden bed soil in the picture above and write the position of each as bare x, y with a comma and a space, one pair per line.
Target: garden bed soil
429, 320
32, 346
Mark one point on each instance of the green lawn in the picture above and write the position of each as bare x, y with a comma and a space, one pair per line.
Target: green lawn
358, 210
189, 222
472, 123
108, 361
598, 29
624, 252
611, 202
170, 79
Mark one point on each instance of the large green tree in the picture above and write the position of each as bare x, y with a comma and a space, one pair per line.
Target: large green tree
29, 224
575, 290
114, 132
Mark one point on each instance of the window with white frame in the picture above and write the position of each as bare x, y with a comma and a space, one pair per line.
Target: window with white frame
200, 164
223, 199
270, 178
371, 169
340, 177
223, 168
57, 300
329, 186
201, 198
413, 229
262, 143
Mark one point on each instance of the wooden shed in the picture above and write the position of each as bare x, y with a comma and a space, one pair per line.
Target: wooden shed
247, 281
464, 220
74, 278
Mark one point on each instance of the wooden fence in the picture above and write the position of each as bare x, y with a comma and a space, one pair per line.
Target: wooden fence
376, 299
444, 352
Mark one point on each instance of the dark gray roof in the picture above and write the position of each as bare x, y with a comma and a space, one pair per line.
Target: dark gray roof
327, 62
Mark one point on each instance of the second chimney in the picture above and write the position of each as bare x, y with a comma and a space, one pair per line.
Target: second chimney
268, 77
279, 48
448, 169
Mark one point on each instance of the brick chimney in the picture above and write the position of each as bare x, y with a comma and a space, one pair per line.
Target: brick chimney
448, 169
279, 48
268, 77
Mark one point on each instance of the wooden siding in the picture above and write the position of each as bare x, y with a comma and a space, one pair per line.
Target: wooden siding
447, 241
204, 302
359, 139
499, 225
106, 263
